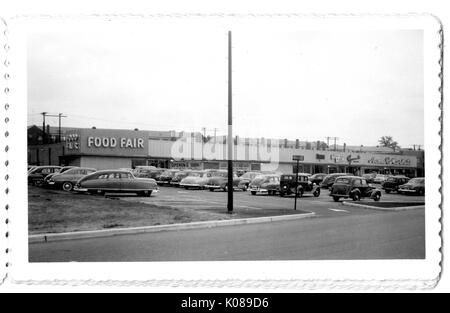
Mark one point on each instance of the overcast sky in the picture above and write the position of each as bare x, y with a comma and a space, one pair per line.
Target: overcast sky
357, 86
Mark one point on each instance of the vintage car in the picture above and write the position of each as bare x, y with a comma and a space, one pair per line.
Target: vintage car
379, 179
265, 184
246, 179
413, 186
369, 177
290, 184
219, 180
393, 182
328, 181
166, 177
116, 181
180, 176
353, 187
66, 180
36, 175
317, 178
148, 172
197, 179
63, 169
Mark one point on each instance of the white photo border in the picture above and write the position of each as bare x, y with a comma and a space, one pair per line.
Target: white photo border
373, 274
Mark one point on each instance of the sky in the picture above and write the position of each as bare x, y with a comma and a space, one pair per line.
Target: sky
354, 85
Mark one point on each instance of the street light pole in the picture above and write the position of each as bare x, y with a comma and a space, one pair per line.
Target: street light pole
230, 131
296, 185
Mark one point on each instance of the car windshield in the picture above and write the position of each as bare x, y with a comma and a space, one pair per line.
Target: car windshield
343, 180
195, 174
417, 181
391, 179
259, 179
220, 174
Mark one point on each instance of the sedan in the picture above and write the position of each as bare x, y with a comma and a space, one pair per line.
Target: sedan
116, 181
414, 186
66, 180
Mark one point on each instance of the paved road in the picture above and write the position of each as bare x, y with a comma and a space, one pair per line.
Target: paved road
368, 235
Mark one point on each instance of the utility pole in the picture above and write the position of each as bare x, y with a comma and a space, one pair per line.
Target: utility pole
43, 127
230, 130
59, 116
203, 142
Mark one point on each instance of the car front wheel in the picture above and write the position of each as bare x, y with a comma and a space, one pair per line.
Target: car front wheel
67, 186
377, 197
336, 199
356, 196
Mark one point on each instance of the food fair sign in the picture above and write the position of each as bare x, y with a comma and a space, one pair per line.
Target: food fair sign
107, 142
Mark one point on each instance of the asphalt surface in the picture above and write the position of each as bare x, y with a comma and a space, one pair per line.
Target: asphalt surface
337, 232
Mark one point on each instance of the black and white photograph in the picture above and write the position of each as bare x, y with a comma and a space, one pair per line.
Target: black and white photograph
187, 143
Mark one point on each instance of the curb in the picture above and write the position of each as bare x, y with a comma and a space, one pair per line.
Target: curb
42, 238
366, 206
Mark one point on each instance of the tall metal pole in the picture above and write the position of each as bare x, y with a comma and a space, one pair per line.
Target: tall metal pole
43, 127
230, 130
296, 185
59, 127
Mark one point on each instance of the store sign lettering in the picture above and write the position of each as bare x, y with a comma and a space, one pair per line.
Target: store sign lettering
389, 161
73, 142
111, 142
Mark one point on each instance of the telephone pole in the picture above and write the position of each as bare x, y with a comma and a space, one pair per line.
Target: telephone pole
230, 130
43, 127
59, 116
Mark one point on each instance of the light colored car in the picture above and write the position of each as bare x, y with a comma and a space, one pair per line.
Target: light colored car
265, 184
197, 180
380, 178
219, 180
66, 180
116, 181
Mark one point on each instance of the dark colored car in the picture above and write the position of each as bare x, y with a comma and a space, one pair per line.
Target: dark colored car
116, 181
66, 180
393, 182
148, 172
36, 175
63, 169
219, 180
166, 177
413, 186
317, 178
246, 179
355, 188
265, 184
290, 184
328, 181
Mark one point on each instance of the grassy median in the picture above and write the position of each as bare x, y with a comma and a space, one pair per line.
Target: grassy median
54, 211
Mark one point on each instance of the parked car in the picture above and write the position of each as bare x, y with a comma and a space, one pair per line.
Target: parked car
370, 177
148, 172
265, 184
328, 181
290, 184
380, 178
197, 179
219, 180
393, 182
317, 178
413, 186
63, 169
36, 176
180, 176
353, 187
66, 180
116, 181
246, 179
166, 177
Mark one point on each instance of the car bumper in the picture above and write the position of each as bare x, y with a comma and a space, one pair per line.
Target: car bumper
189, 185
213, 187
260, 191
408, 190
79, 189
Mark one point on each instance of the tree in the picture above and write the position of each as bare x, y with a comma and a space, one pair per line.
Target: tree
388, 141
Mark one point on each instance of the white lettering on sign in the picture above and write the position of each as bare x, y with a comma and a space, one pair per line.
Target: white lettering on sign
111, 142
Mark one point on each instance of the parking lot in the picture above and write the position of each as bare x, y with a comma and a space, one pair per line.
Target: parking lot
322, 206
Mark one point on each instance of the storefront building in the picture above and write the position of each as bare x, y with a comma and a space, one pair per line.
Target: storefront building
112, 148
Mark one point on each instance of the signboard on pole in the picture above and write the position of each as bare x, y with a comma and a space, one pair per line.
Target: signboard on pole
298, 157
